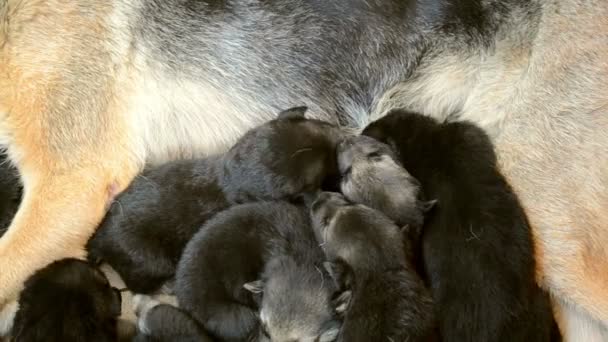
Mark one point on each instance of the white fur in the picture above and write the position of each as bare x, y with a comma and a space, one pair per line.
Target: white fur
7, 317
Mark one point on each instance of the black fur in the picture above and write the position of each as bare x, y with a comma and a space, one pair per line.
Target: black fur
232, 250
383, 298
67, 301
10, 192
145, 231
147, 227
477, 254
281, 159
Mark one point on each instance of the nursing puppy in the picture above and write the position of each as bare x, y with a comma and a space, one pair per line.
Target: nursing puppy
383, 298
477, 249
146, 229
371, 175
67, 301
267, 249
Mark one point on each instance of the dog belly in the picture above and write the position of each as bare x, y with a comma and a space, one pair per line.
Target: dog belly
182, 119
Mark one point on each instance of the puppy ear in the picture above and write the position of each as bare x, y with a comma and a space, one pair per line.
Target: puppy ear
294, 112
255, 287
428, 205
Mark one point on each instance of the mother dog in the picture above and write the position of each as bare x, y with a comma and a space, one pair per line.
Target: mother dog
91, 90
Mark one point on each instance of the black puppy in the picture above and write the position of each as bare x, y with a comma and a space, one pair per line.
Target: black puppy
477, 247
383, 297
69, 300
146, 229
10, 192
222, 264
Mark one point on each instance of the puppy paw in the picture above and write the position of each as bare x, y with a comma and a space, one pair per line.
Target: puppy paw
142, 305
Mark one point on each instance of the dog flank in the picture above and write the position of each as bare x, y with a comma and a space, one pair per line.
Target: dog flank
78, 77
371, 260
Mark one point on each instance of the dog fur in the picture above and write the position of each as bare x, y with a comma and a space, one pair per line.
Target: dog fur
68, 300
371, 259
477, 248
144, 233
221, 266
91, 91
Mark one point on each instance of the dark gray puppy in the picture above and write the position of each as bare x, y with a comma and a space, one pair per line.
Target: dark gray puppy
146, 229
371, 175
383, 298
257, 255
67, 301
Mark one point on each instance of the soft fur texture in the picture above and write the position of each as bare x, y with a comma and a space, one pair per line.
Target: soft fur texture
477, 248
148, 226
371, 175
236, 248
294, 296
371, 260
68, 301
91, 91
10, 192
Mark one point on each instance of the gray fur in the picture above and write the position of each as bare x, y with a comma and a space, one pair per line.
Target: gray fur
370, 259
372, 175
296, 302
282, 159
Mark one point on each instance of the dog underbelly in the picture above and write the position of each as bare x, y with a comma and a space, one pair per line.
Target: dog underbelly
177, 119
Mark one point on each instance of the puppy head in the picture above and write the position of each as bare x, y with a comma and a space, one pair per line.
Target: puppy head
361, 237
282, 158
68, 300
372, 176
296, 303
400, 128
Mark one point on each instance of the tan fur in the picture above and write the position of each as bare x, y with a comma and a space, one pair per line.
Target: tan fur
69, 166
82, 112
